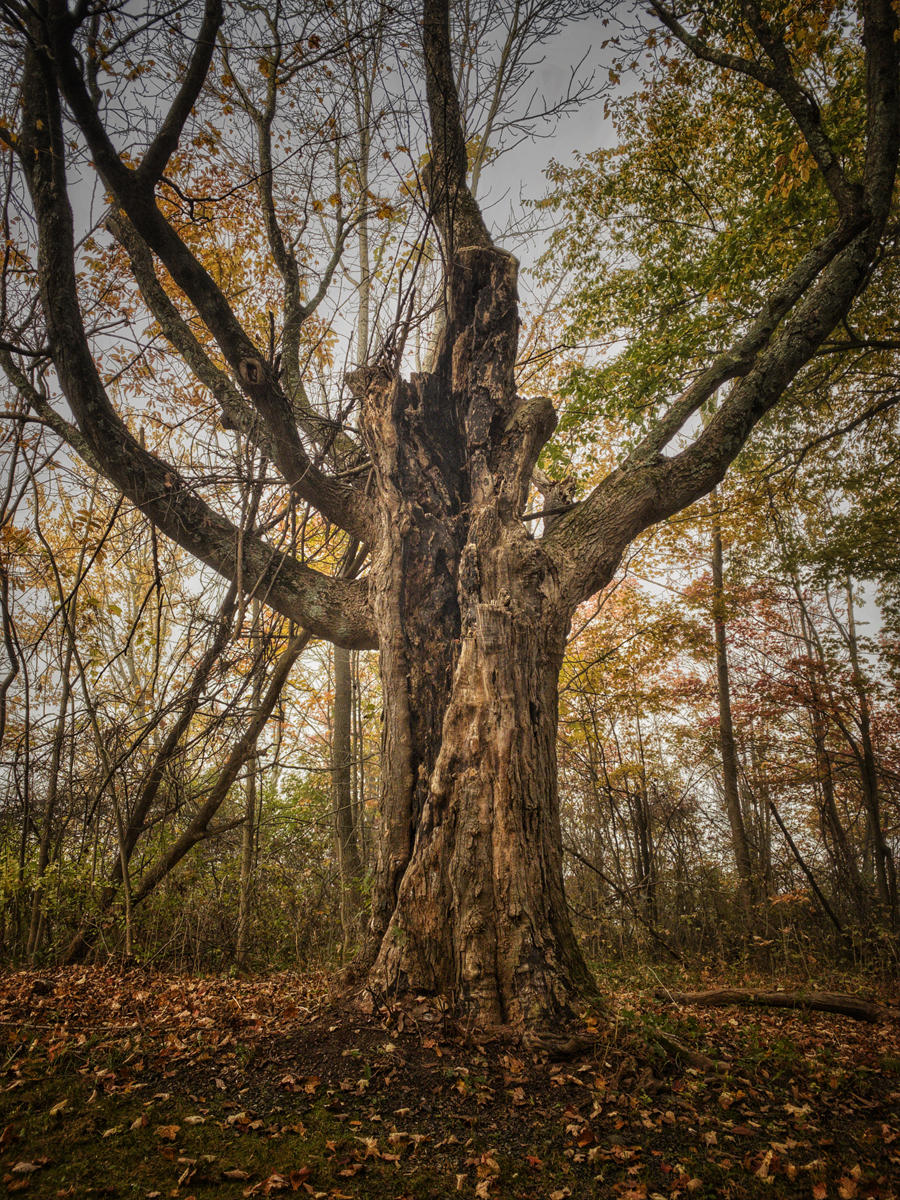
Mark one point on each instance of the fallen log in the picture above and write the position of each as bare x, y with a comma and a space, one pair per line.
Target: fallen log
836, 1002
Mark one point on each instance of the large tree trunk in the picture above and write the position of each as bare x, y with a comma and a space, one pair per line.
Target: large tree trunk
469, 891
480, 912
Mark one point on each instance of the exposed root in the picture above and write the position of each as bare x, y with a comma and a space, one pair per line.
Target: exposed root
687, 1054
565, 1045
836, 1002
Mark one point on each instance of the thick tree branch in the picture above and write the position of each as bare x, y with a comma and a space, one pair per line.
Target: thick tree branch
805, 112
589, 541
712, 54
238, 414
64, 429
330, 608
880, 34
259, 381
166, 141
455, 210
740, 358
779, 78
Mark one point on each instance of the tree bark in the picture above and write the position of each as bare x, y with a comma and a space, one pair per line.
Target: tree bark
469, 891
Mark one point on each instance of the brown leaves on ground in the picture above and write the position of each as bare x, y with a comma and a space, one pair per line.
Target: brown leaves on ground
138, 1083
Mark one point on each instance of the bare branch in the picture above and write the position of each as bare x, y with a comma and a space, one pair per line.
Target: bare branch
456, 211
259, 380
165, 143
335, 609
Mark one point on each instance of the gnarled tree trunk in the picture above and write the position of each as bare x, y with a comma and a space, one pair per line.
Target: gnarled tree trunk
472, 625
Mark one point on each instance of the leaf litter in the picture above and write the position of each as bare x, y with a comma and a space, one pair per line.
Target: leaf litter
139, 1083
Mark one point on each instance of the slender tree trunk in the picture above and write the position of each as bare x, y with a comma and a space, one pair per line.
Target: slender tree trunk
59, 734
843, 854
248, 828
9, 646
345, 834
640, 801
248, 847
885, 876
358, 761
759, 799
342, 745
728, 747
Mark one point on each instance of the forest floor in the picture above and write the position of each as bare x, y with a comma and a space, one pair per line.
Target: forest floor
143, 1084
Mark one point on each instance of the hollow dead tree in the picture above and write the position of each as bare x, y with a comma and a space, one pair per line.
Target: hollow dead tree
468, 608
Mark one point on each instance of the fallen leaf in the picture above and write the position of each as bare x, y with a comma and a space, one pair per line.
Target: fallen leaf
763, 1169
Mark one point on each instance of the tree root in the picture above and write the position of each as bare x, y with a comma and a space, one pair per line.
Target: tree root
687, 1054
836, 1002
565, 1045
